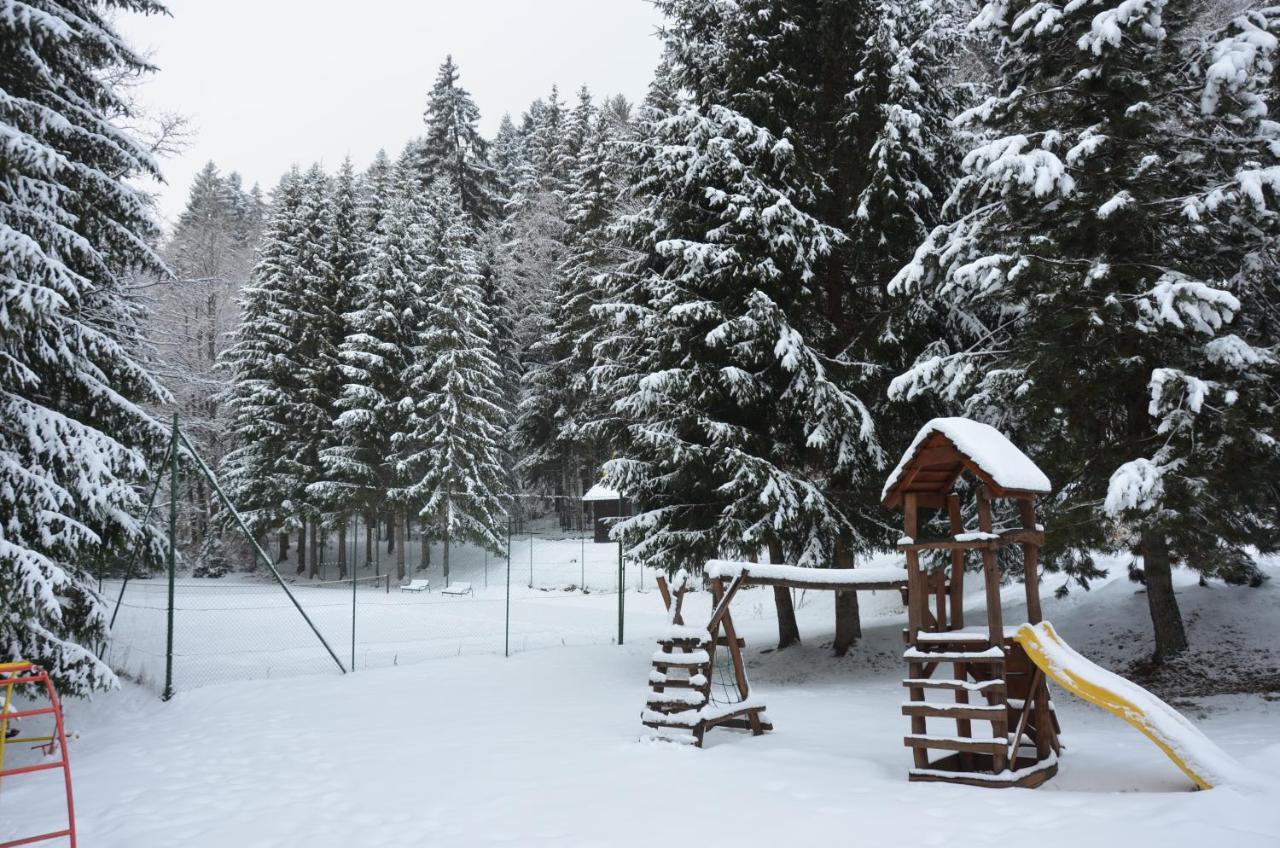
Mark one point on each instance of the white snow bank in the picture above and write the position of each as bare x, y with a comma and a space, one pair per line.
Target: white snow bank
728, 569
987, 447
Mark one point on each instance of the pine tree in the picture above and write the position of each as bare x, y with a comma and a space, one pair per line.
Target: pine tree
1100, 282
559, 445
377, 403
335, 493
454, 148
737, 418
506, 154
73, 440
848, 92
264, 373
459, 420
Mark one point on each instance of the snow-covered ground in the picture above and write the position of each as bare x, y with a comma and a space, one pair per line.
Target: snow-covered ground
540, 748
244, 626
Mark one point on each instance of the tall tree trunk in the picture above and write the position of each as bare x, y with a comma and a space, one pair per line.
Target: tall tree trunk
848, 616
369, 520
284, 546
788, 630
342, 549
444, 559
392, 526
1166, 618
315, 548
400, 532
302, 549
424, 552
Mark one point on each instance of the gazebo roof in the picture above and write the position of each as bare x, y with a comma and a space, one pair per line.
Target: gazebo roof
946, 447
601, 492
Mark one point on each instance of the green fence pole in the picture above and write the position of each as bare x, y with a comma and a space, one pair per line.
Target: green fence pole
506, 647
355, 531
622, 592
173, 556
262, 555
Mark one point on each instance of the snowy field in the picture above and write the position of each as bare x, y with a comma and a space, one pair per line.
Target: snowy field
540, 748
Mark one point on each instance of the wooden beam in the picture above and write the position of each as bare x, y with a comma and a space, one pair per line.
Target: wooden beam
1031, 559
957, 563
818, 585
664, 591
722, 608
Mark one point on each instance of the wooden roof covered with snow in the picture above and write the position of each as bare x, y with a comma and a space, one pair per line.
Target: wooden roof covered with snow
945, 448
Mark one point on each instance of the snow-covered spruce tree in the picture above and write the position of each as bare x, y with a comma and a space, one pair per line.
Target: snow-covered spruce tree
335, 493
735, 419
560, 447
73, 439
377, 404
373, 191
853, 88
548, 459
454, 148
1100, 278
459, 421
531, 248
316, 330
262, 360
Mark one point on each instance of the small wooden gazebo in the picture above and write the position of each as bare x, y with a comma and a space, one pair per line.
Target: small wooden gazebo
605, 503
992, 683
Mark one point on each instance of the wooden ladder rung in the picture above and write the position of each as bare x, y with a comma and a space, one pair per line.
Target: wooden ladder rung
972, 712
995, 686
956, 743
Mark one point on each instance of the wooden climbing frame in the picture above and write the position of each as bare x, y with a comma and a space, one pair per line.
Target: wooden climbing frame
992, 683
683, 718
681, 706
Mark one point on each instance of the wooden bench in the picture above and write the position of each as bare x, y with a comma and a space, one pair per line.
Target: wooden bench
420, 585
458, 590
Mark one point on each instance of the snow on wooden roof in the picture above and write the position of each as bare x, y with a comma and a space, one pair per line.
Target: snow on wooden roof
601, 492
802, 577
965, 444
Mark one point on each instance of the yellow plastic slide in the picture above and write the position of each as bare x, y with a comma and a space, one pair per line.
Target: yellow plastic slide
1201, 760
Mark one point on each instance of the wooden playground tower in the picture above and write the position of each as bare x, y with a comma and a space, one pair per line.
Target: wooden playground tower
1005, 732
993, 684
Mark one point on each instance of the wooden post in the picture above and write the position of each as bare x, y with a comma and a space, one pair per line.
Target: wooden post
957, 564
917, 598
990, 572
916, 594
1031, 561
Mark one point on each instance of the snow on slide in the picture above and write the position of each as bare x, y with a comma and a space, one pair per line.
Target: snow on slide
1201, 760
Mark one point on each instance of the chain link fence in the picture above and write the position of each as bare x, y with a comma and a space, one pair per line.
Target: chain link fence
553, 587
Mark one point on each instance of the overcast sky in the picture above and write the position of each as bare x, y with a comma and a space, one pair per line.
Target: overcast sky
267, 83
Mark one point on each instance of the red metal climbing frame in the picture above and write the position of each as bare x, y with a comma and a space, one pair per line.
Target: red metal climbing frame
23, 674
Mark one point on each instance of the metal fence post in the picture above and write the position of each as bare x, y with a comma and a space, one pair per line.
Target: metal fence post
506, 647
173, 556
354, 533
622, 592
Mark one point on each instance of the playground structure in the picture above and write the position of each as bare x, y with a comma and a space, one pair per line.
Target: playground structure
25, 674
996, 676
